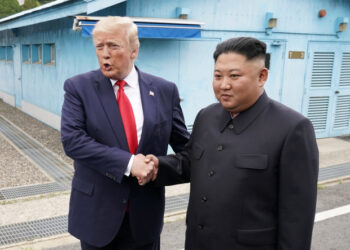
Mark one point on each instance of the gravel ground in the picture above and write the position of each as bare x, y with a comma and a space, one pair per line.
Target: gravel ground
46, 135
16, 170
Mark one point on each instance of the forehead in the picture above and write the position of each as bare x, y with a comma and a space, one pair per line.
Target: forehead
119, 35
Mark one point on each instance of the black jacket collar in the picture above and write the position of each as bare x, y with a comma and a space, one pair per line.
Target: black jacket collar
246, 117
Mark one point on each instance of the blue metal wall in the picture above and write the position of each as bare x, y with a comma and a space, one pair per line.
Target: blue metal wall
298, 24
188, 63
40, 84
6, 67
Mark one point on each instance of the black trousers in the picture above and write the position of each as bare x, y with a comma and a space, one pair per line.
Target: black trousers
124, 240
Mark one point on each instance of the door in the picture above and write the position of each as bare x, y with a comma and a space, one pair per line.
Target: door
189, 63
196, 70
327, 92
274, 61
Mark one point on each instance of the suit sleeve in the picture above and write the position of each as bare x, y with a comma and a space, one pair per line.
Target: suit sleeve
84, 149
176, 169
179, 134
298, 175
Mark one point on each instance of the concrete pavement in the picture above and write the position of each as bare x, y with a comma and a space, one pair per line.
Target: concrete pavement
39, 210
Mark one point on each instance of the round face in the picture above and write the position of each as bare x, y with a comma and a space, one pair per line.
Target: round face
114, 54
238, 82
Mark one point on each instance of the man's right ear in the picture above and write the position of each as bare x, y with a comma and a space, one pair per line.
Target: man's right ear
264, 73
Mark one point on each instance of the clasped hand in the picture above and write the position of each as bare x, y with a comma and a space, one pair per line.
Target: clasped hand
144, 168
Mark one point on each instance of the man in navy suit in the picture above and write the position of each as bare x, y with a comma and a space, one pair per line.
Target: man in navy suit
111, 118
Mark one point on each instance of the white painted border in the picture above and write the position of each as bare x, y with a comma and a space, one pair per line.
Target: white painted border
332, 213
10, 99
43, 115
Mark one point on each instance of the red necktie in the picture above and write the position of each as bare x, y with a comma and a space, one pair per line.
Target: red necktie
127, 116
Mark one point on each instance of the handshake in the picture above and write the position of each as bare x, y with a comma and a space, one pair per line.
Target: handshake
144, 168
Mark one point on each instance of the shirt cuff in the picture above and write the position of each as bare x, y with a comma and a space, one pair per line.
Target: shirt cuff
128, 168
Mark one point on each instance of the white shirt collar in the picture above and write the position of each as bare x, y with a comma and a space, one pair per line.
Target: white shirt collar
131, 79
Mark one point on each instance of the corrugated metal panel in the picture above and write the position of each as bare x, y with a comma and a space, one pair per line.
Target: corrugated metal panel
318, 110
345, 71
342, 113
322, 69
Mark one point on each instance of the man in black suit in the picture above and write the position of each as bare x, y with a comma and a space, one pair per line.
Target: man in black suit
111, 117
252, 162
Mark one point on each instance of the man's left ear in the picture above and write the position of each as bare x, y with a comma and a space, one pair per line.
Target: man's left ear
264, 73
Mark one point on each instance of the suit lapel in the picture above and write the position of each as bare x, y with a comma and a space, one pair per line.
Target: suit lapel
148, 99
108, 100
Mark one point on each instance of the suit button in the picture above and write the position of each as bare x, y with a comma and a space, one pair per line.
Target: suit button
200, 226
204, 199
211, 173
125, 201
220, 147
231, 126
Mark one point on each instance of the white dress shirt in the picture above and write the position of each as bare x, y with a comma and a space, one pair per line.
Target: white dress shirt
132, 91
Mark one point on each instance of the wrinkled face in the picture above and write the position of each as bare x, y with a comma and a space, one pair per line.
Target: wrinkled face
237, 82
114, 53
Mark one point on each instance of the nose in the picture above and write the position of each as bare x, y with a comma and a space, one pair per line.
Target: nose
225, 83
105, 52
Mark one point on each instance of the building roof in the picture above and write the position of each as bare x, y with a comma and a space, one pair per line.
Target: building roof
54, 10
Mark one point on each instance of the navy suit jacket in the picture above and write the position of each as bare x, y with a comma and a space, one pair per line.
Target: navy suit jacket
93, 136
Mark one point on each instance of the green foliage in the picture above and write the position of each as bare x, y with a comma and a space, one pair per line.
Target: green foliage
44, 1
9, 7
30, 4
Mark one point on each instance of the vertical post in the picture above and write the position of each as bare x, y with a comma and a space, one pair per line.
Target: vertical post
17, 69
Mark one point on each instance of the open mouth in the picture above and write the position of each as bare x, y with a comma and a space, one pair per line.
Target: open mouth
107, 67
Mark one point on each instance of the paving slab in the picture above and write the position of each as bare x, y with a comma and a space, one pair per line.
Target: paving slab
333, 151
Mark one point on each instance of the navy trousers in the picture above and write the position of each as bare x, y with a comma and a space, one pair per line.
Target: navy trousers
124, 240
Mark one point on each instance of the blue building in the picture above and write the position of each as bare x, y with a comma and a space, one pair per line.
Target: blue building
308, 51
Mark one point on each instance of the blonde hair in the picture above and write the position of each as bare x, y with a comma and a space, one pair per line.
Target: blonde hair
112, 23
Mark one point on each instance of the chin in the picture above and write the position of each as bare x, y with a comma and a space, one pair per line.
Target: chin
108, 74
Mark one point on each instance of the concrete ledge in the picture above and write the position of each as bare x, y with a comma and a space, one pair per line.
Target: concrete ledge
43, 115
334, 181
333, 151
57, 242
9, 99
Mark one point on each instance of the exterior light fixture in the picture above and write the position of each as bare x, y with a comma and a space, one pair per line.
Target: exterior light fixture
182, 13
322, 13
341, 25
270, 22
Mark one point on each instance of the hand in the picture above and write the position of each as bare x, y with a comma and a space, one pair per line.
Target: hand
141, 170
152, 158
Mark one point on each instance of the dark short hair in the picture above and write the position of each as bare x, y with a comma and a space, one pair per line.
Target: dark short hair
248, 46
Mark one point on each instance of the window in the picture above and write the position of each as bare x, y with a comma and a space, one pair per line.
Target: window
2, 53
9, 53
37, 53
26, 54
49, 54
